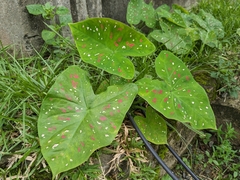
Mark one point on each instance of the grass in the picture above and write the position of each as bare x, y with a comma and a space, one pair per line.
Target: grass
24, 82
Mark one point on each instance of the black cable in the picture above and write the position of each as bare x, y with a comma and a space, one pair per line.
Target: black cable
181, 162
178, 158
160, 161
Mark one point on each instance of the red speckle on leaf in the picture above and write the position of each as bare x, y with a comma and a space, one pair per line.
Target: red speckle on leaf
111, 35
172, 113
63, 136
154, 100
79, 149
116, 44
52, 128
120, 101
84, 45
188, 90
74, 76
100, 57
103, 118
64, 118
154, 91
179, 75
187, 78
102, 26
82, 143
74, 84
166, 55
130, 44
165, 99
179, 105
147, 90
118, 111
111, 113
69, 107
174, 72
91, 126
92, 138
107, 107
50, 99
63, 110
113, 125
160, 91
169, 69
68, 97
120, 29
119, 70
141, 40
119, 39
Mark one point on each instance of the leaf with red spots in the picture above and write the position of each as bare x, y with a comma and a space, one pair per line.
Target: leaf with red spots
106, 44
153, 127
178, 96
138, 11
74, 122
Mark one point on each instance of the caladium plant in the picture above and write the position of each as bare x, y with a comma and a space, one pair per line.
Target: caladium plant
176, 28
74, 121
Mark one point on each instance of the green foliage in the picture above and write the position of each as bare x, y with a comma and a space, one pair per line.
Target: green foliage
49, 12
177, 96
153, 126
223, 154
106, 44
75, 122
226, 74
179, 29
147, 13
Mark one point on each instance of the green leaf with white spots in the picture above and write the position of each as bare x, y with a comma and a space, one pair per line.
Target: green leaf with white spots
106, 44
178, 96
74, 122
138, 11
153, 127
175, 40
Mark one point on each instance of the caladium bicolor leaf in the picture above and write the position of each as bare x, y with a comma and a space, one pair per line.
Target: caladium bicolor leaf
74, 122
208, 22
178, 96
175, 40
138, 11
106, 43
153, 127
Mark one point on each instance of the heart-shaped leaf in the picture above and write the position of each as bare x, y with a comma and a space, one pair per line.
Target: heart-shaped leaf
138, 11
153, 127
106, 43
178, 96
74, 122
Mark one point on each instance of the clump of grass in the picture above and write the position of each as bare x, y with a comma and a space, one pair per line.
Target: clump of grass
225, 11
222, 64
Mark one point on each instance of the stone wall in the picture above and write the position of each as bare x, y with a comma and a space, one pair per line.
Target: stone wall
20, 28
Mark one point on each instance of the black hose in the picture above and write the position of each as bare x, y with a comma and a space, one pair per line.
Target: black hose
181, 162
160, 161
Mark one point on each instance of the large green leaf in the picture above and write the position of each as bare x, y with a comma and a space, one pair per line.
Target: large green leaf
106, 43
153, 127
175, 40
178, 96
138, 11
74, 122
